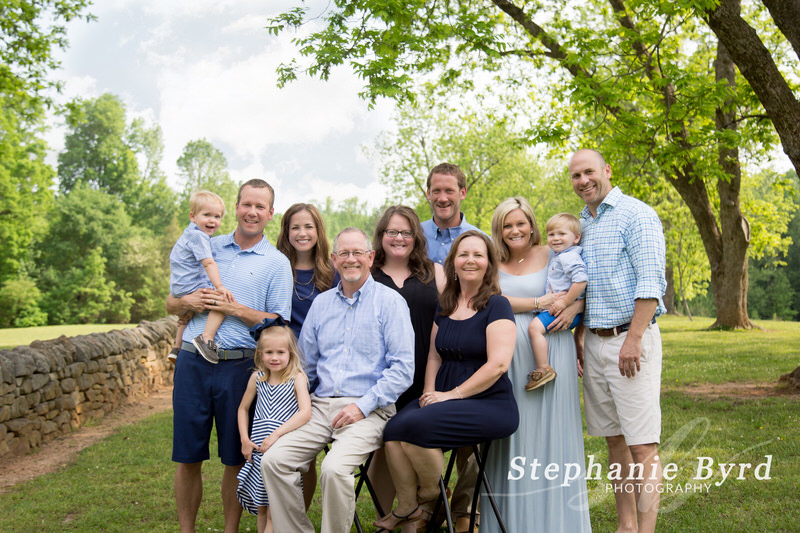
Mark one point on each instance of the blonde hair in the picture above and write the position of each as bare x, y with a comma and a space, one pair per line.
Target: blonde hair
295, 365
561, 220
201, 198
499, 218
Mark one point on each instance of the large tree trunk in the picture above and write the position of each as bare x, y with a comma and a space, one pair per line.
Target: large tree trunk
669, 295
730, 277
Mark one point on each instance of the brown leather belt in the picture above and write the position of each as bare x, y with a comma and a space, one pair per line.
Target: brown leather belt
613, 332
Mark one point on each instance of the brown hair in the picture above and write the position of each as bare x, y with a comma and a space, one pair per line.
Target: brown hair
448, 169
257, 184
491, 282
323, 270
201, 198
421, 267
295, 365
567, 220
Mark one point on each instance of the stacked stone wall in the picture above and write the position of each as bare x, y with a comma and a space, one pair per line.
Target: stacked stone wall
52, 387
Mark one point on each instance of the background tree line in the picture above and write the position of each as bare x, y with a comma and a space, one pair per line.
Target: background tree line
655, 85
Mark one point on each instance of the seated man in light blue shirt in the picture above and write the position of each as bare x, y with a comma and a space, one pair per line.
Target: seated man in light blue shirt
358, 344
447, 187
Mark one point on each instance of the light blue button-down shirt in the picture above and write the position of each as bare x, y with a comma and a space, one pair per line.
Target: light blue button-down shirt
259, 277
624, 251
186, 272
566, 267
361, 347
441, 239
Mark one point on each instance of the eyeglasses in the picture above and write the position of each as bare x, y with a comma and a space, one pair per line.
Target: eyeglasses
393, 233
358, 254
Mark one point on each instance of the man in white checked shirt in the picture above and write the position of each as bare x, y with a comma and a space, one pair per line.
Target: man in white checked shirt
624, 250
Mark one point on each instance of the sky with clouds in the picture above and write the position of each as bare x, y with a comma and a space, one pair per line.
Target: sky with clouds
206, 69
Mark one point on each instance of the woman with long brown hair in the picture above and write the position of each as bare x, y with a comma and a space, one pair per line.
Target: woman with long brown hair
303, 240
467, 397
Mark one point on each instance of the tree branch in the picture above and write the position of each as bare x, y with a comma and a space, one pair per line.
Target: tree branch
759, 69
786, 14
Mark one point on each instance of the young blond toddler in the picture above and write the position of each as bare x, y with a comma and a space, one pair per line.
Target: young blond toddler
192, 267
567, 272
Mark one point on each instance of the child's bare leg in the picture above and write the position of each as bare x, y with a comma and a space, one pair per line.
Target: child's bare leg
536, 332
213, 322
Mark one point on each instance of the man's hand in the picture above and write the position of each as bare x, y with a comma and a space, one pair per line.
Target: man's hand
214, 300
630, 355
349, 415
188, 302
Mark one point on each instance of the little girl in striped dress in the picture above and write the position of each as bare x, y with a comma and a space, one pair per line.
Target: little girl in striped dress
282, 404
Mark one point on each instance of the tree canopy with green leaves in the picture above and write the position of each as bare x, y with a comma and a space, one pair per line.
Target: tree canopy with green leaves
644, 81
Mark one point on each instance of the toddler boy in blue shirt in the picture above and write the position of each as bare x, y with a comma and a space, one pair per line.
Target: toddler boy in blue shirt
567, 272
192, 267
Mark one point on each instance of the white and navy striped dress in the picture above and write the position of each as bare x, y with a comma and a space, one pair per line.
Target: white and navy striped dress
275, 404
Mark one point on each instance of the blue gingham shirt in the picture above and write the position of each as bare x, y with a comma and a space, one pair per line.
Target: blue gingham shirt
259, 278
441, 239
361, 347
624, 251
186, 272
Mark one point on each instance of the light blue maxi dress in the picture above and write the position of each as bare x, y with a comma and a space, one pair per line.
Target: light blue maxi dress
550, 431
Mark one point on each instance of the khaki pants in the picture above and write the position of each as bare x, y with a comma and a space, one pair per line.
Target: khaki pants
351, 445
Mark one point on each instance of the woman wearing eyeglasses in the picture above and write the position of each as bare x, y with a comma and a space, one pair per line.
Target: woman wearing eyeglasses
401, 263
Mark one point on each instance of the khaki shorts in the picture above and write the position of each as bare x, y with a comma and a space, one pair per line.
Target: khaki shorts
617, 405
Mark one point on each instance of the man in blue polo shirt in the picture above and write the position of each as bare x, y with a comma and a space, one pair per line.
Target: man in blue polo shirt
260, 279
446, 188
624, 251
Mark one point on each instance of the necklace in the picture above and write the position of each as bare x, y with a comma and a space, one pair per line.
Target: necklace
310, 282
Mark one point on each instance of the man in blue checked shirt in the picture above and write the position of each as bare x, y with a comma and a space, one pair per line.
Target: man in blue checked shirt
204, 394
624, 251
359, 348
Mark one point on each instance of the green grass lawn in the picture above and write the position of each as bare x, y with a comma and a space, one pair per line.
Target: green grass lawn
11, 337
124, 483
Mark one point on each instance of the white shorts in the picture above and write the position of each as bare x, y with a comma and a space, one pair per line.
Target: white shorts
618, 405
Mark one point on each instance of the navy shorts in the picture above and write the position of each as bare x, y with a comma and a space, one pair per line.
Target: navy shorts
205, 394
546, 319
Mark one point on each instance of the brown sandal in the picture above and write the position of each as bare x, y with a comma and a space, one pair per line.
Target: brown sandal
392, 521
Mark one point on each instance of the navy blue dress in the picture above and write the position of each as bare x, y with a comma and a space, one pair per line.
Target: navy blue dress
490, 415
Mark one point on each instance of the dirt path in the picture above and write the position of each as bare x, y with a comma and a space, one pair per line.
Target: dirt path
61, 451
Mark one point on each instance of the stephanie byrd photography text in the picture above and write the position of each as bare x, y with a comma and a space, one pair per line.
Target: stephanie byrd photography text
706, 468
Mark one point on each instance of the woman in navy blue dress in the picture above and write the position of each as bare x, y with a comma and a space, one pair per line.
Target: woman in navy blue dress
467, 397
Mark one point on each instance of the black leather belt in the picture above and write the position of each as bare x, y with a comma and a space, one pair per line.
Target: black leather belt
224, 355
613, 332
